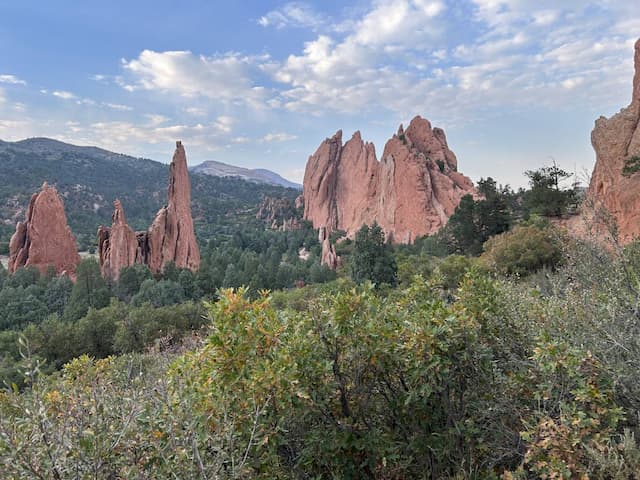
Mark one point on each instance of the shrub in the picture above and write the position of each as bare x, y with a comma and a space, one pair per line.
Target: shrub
524, 250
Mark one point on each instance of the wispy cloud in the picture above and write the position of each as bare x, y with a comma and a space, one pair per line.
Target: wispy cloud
63, 94
11, 79
294, 15
278, 137
223, 78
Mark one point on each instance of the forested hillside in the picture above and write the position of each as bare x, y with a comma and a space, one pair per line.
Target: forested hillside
90, 179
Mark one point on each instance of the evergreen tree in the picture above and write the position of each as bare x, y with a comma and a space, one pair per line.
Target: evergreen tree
372, 258
89, 291
545, 196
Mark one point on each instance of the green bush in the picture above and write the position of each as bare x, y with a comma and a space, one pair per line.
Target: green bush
524, 250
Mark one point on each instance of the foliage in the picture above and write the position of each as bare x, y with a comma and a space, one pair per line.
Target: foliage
372, 259
500, 381
89, 291
475, 221
631, 165
452, 270
524, 250
546, 197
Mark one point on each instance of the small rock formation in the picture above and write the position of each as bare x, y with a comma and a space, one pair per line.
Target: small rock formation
280, 213
329, 256
44, 239
615, 141
170, 238
118, 246
411, 192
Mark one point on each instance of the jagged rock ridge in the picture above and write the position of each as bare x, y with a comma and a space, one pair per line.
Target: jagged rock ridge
616, 141
170, 238
44, 239
411, 192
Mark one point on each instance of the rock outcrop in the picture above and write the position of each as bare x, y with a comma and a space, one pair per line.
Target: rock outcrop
170, 238
616, 141
329, 256
411, 192
118, 246
281, 214
44, 239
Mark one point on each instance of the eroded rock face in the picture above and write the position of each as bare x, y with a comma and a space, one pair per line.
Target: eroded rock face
44, 239
616, 140
279, 213
412, 191
118, 246
171, 237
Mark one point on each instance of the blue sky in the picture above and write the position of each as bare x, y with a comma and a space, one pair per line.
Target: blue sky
516, 84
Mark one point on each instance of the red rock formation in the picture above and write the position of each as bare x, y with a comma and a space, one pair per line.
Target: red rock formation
44, 239
411, 192
329, 256
171, 237
118, 246
280, 213
616, 140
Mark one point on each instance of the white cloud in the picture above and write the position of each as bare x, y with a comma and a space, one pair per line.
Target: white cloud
293, 14
11, 79
196, 111
225, 78
62, 94
398, 57
571, 83
278, 137
2, 97
118, 106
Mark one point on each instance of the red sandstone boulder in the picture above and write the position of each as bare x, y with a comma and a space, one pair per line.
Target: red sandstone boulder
44, 239
412, 191
616, 140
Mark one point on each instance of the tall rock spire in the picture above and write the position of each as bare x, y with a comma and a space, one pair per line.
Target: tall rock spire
171, 237
44, 239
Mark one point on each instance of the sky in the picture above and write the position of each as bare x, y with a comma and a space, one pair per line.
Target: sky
516, 84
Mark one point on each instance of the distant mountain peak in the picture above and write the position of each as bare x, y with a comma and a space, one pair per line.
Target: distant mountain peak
258, 175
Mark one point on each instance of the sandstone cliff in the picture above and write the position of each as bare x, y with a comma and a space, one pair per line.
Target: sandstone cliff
44, 239
170, 238
616, 141
412, 191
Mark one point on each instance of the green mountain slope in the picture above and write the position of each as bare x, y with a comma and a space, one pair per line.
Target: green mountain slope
90, 179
